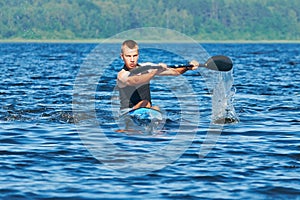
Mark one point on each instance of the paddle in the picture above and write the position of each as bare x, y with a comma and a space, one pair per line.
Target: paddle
217, 63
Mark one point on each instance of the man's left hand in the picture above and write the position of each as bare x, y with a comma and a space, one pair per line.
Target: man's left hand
195, 65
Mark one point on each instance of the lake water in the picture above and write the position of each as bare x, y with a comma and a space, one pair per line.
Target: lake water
58, 118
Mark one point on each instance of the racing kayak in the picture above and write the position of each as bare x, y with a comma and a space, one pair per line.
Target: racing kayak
142, 120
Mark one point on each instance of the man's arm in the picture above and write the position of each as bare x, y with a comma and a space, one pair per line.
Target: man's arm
173, 71
177, 71
125, 80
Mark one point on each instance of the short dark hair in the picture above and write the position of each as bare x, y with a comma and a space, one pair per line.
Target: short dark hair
131, 44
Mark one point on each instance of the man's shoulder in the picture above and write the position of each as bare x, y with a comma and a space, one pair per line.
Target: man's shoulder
122, 76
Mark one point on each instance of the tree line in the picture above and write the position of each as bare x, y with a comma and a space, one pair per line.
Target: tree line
200, 19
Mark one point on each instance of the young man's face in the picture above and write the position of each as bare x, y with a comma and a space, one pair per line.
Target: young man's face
130, 57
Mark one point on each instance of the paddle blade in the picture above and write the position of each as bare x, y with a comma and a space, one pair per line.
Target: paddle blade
219, 63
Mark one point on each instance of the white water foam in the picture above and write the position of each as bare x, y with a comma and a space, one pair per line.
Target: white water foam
223, 111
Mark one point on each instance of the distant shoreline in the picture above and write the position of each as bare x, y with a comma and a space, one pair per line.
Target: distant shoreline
96, 41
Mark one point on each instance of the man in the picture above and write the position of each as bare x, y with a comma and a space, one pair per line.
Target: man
135, 89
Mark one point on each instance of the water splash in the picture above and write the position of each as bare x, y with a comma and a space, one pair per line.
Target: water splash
223, 111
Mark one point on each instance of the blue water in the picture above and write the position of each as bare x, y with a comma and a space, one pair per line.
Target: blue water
52, 149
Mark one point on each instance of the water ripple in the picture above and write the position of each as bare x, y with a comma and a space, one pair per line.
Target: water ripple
43, 155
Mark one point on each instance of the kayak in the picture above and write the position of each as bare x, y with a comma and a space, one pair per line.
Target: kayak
142, 120
145, 116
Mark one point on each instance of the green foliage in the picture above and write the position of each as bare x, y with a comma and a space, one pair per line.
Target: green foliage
201, 19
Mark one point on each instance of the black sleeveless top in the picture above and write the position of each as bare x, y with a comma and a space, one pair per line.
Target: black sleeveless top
131, 95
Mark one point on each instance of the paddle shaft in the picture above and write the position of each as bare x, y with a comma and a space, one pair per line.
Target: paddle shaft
217, 63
